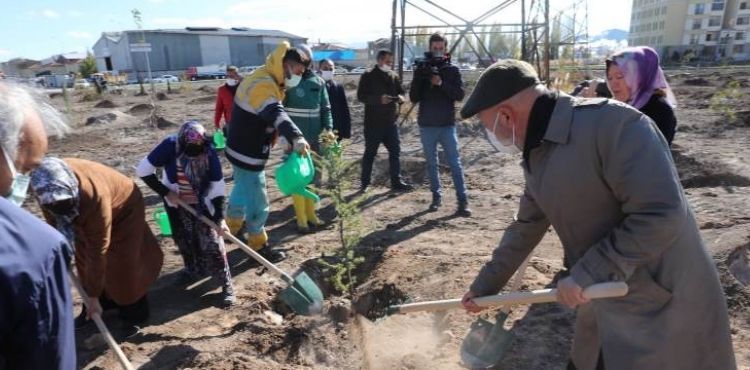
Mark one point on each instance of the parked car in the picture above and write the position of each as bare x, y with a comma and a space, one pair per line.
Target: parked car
82, 83
358, 70
340, 70
165, 78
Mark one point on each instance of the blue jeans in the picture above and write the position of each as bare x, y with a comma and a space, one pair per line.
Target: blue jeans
249, 198
447, 138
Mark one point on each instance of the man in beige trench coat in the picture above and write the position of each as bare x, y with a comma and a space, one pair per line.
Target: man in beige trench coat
602, 175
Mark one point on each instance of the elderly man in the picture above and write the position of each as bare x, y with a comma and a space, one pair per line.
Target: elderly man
342, 121
602, 175
36, 313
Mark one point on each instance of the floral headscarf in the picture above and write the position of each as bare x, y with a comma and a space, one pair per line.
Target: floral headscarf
643, 75
195, 167
53, 181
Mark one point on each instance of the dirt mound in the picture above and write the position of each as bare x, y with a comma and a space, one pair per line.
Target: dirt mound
207, 89
160, 122
413, 169
162, 96
696, 174
106, 103
203, 100
374, 304
739, 264
107, 118
697, 82
141, 109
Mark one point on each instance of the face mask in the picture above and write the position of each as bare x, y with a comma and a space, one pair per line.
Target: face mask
19, 188
193, 150
438, 54
327, 75
293, 81
497, 144
385, 68
231, 81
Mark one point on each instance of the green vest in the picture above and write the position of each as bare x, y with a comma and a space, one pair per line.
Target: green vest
308, 106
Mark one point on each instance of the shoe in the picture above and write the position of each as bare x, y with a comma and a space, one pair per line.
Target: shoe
271, 254
363, 188
81, 322
401, 186
436, 203
227, 296
463, 209
127, 330
303, 229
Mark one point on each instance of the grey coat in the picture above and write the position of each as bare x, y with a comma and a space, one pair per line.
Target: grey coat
605, 179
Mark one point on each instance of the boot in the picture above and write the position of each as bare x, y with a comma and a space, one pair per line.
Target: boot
463, 209
400, 185
436, 203
312, 218
300, 213
259, 243
235, 224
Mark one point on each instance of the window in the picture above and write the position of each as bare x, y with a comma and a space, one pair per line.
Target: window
709, 37
743, 21
714, 22
700, 9
738, 49
696, 24
653, 40
664, 10
717, 5
661, 25
660, 40
693, 39
743, 5
739, 36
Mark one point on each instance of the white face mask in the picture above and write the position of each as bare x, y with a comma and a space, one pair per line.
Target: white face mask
327, 75
385, 67
499, 145
20, 186
231, 81
292, 81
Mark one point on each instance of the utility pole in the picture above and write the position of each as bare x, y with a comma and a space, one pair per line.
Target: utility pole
138, 21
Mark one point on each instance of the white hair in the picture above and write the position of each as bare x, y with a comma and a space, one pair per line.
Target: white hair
15, 102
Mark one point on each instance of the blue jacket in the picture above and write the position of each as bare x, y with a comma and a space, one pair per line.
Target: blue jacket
437, 104
36, 310
342, 120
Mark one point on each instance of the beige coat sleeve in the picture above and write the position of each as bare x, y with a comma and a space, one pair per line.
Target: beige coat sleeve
638, 167
518, 241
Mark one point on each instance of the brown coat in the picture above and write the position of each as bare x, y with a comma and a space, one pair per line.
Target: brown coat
605, 179
115, 250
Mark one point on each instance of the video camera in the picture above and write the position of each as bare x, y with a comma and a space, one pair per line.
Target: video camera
429, 65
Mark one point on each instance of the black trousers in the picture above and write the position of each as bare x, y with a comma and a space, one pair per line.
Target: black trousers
599, 363
388, 136
134, 313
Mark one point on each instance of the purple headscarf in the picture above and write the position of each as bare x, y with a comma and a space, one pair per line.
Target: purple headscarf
643, 75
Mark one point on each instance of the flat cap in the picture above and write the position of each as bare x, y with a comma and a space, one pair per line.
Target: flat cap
498, 82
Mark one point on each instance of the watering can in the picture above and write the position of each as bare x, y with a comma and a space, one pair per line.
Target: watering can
295, 174
220, 142
162, 219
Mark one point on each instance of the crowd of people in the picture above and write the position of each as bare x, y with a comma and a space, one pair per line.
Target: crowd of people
635, 225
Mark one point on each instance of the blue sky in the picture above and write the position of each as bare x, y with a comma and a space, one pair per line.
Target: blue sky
40, 28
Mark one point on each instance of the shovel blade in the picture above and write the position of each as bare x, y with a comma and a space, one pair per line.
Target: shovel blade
486, 343
303, 296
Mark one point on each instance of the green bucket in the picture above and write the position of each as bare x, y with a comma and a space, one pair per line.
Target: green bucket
295, 174
220, 142
162, 219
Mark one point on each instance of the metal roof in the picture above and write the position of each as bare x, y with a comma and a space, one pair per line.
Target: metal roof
234, 31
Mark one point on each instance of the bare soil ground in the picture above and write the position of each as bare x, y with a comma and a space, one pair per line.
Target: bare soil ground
410, 253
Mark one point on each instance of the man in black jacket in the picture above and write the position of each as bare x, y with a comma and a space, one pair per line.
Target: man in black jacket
437, 86
342, 122
381, 92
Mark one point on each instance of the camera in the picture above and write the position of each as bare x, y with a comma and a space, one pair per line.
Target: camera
429, 65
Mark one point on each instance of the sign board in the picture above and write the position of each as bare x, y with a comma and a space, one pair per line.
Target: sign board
143, 47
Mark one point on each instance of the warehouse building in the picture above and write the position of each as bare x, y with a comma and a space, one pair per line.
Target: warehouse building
174, 50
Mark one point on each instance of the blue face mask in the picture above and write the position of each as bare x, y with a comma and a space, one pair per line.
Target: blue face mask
19, 188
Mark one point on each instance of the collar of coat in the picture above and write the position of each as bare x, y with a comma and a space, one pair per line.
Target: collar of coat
558, 130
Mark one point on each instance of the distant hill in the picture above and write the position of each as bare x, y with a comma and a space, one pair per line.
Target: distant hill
613, 34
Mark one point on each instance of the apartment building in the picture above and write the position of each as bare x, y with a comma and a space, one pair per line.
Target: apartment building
705, 29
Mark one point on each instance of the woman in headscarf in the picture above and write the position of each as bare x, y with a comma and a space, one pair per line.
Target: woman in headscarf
101, 212
192, 173
635, 77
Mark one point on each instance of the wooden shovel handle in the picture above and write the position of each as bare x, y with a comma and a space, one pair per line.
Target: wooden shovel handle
603, 290
256, 256
124, 362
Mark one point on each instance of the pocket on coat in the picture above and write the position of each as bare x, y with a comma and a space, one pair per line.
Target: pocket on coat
645, 296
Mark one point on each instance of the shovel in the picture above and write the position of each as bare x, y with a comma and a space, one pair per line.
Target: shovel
301, 293
487, 342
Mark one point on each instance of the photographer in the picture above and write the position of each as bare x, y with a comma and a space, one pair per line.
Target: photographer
437, 86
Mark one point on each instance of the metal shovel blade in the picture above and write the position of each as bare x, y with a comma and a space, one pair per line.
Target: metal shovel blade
486, 343
303, 296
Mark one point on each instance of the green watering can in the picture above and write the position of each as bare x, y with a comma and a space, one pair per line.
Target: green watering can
293, 176
162, 219
220, 142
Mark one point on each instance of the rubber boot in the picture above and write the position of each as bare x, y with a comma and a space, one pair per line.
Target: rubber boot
312, 218
300, 212
257, 241
235, 224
